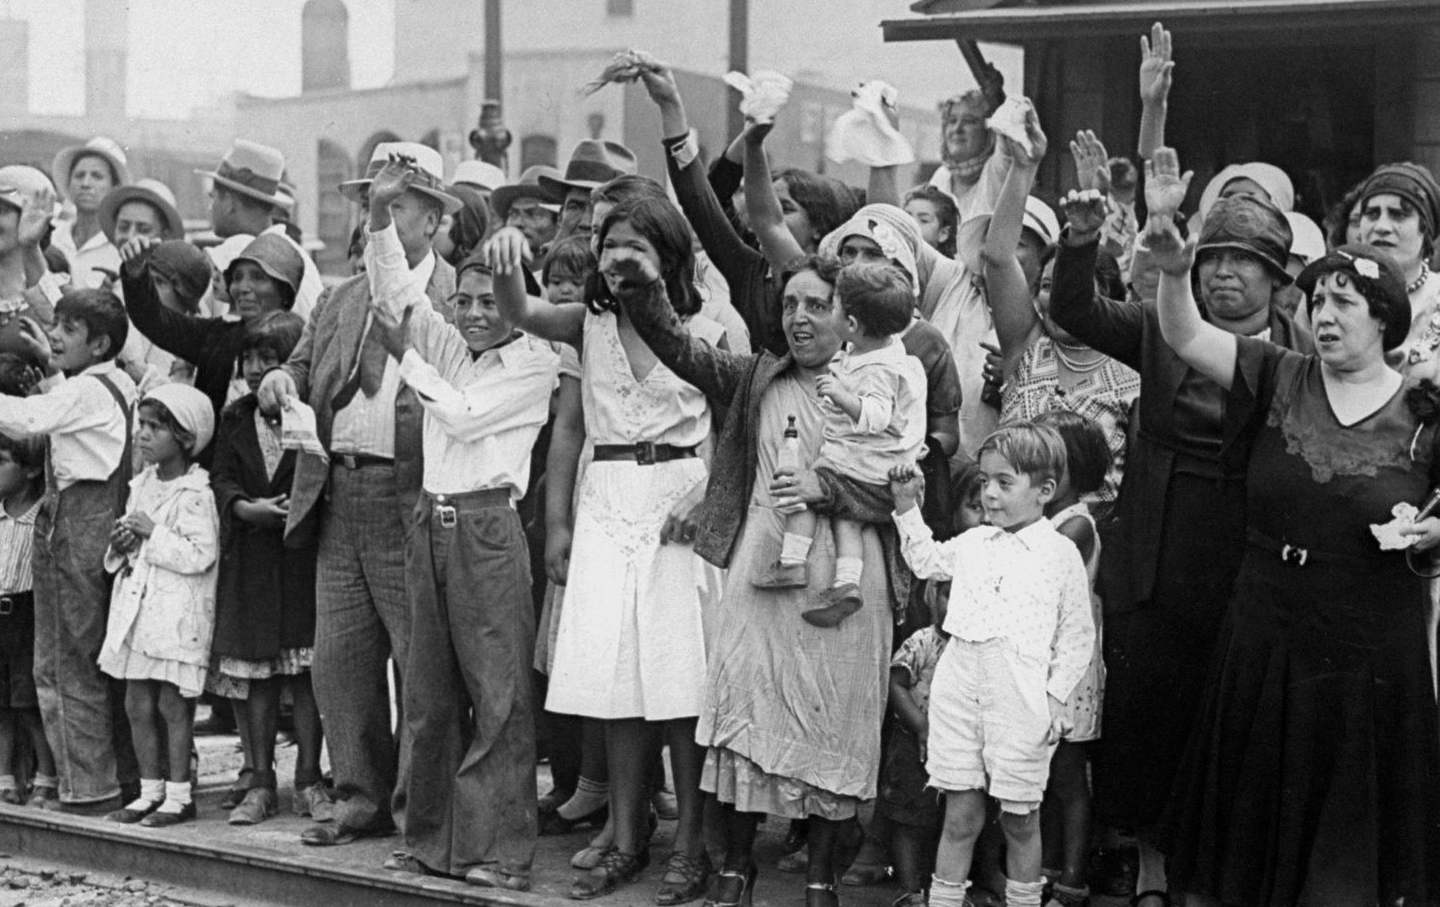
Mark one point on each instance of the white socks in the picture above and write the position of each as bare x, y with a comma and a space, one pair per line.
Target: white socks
152, 791
1023, 894
947, 894
588, 797
177, 796
794, 549
847, 570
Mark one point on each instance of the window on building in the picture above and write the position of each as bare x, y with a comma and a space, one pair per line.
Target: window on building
619, 7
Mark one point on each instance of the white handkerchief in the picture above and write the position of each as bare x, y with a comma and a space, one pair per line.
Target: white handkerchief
1009, 121
297, 429
864, 132
762, 94
1388, 534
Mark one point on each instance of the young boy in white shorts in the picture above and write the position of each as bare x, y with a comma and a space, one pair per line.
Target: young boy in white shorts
1021, 633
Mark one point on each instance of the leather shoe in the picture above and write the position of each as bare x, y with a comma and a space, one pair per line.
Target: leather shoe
158, 819
333, 834
127, 816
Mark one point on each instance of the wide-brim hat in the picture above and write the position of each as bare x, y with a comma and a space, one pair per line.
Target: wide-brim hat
251, 169
20, 182
1250, 224
153, 193
593, 163
429, 170
100, 146
528, 186
275, 255
479, 174
1040, 219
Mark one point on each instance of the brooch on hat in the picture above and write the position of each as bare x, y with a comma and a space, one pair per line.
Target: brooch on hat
1367, 269
886, 238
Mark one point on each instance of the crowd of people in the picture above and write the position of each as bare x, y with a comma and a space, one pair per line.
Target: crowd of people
991, 522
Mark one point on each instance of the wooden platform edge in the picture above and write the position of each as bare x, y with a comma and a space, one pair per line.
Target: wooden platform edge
246, 873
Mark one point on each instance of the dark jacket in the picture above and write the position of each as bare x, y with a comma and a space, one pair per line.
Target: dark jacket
210, 344
265, 598
1130, 333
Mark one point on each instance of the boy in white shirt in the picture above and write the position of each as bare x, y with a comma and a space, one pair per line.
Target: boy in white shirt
85, 410
485, 388
1022, 635
874, 421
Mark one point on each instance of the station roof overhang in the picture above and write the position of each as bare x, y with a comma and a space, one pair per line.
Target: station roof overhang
979, 20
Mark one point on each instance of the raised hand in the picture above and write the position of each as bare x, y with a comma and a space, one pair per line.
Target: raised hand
1092, 161
36, 343
658, 80
907, 486
1157, 68
1165, 186
1165, 247
136, 246
391, 182
1039, 143
1085, 210
755, 133
506, 250
35, 216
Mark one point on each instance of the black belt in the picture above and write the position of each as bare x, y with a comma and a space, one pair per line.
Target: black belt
645, 453
1296, 556
446, 506
17, 604
360, 461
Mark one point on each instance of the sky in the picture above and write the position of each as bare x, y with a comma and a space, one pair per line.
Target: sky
191, 39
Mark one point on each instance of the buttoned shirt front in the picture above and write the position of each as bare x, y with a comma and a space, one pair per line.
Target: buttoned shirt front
1028, 588
17, 537
85, 424
98, 252
482, 413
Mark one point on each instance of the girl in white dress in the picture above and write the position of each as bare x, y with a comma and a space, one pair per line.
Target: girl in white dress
630, 646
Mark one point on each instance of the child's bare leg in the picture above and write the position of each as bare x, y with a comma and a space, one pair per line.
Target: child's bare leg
145, 727
964, 818
179, 715
9, 728
913, 850
789, 571
844, 596
1022, 855
1065, 815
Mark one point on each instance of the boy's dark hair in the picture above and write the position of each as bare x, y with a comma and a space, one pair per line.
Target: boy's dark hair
945, 211
571, 255
627, 187
275, 332
1087, 455
100, 312
879, 296
16, 376
28, 451
183, 437
1036, 450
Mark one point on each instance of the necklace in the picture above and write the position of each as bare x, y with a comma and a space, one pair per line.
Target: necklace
1419, 281
1077, 365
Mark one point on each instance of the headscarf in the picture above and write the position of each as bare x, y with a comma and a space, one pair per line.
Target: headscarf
935, 275
1412, 182
191, 408
1267, 176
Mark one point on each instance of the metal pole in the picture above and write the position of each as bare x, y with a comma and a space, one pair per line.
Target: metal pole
739, 59
490, 138
493, 50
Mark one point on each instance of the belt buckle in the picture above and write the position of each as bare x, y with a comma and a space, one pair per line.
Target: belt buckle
446, 513
7, 605
1294, 556
645, 453
347, 460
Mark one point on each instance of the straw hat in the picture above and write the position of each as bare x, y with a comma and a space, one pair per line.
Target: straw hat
251, 169
429, 170
479, 174
102, 147
153, 193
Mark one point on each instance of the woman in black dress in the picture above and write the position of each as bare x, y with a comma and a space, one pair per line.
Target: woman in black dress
1310, 777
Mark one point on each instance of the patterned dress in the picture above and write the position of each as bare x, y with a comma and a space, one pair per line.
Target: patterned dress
1084, 704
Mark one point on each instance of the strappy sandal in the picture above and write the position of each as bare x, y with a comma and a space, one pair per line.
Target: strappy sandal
821, 894
733, 889
686, 879
616, 868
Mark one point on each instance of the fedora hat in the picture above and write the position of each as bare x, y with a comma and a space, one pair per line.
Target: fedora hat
102, 147
479, 174
429, 170
592, 163
250, 169
153, 193
527, 186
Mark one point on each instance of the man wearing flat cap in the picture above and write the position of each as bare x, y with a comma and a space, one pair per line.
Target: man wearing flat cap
371, 426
